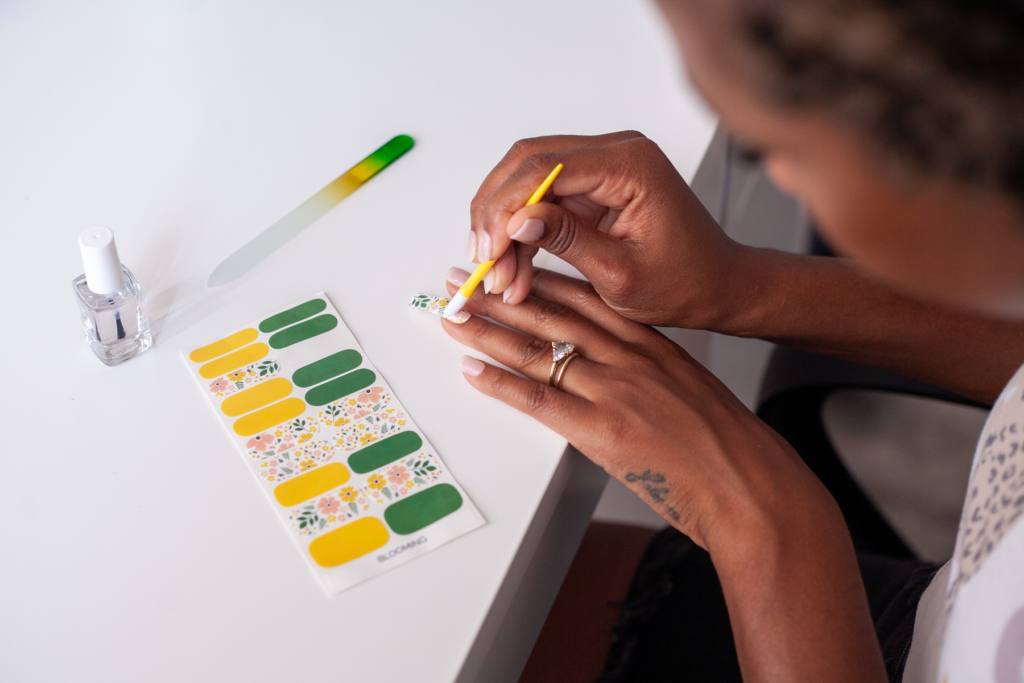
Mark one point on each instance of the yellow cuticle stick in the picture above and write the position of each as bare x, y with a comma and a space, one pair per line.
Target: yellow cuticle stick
470, 285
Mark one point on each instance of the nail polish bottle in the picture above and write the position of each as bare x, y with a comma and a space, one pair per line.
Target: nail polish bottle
110, 300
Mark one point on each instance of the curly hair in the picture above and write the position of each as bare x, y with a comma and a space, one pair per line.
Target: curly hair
938, 85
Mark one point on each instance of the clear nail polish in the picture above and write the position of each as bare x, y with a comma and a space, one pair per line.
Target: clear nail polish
457, 276
471, 366
483, 247
471, 247
531, 230
110, 301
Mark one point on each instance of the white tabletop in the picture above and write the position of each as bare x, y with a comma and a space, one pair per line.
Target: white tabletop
134, 545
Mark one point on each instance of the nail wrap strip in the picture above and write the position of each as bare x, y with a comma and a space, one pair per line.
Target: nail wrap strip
429, 303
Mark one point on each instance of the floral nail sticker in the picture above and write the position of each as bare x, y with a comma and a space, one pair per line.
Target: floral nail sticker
379, 490
435, 305
341, 427
244, 378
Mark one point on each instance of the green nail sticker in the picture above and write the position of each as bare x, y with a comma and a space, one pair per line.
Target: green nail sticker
423, 509
293, 315
303, 331
383, 452
326, 368
341, 387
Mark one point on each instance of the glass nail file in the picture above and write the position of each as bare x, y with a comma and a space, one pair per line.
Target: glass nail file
307, 213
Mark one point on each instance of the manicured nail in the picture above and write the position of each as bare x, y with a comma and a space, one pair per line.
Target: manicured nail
470, 366
483, 249
506, 294
460, 317
457, 276
471, 247
488, 281
531, 230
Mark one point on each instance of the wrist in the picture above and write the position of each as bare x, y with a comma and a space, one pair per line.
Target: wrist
798, 514
746, 299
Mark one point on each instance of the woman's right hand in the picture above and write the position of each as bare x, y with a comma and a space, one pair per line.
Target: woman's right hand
623, 216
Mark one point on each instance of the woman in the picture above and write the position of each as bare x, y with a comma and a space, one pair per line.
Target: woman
900, 126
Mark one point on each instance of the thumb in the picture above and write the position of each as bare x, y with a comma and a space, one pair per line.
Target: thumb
564, 234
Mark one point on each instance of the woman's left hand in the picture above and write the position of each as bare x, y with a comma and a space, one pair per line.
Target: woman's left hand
639, 406
655, 419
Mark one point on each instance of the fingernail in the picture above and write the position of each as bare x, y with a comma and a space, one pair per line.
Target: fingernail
488, 281
470, 366
531, 230
457, 276
506, 293
460, 317
471, 247
483, 250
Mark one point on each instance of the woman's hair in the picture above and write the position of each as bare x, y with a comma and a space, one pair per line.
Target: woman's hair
938, 85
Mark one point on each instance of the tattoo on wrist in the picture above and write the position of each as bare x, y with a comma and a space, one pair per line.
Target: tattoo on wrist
652, 482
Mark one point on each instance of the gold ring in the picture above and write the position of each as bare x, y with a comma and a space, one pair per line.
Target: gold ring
559, 351
561, 369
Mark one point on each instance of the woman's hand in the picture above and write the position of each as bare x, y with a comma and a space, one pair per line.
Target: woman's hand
621, 214
640, 407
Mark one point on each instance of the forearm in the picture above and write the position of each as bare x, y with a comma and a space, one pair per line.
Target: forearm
829, 306
781, 550
796, 599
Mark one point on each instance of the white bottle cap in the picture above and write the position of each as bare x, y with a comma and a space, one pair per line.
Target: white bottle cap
99, 256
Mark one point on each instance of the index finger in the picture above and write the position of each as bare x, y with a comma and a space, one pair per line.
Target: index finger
513, 160
612, 177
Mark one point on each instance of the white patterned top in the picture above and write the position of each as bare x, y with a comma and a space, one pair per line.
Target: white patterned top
970, 621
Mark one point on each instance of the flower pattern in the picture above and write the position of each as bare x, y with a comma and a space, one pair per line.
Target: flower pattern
370, 396
260, 442
310, 441
328, 505
379, 489
322, 436
435, 304
398, 474
248, 376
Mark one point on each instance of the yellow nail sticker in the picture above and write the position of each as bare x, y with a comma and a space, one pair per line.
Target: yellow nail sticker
353, 540
275, 414
256, 397
311, 484
225, 345
233, 361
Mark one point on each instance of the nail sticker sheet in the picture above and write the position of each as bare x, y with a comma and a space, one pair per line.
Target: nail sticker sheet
356, 483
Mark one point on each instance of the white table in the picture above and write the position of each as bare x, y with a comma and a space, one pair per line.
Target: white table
135, 545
